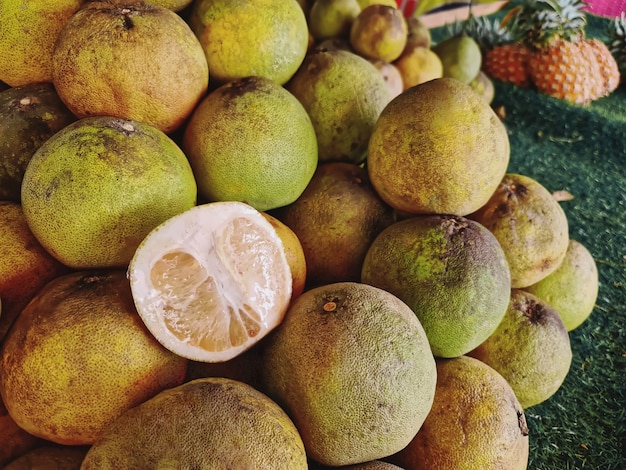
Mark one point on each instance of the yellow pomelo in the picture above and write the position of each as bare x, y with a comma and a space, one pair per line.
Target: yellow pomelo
29, 115
417, 65
461, 57
50, 457
530, 348
241, 38
344, 95
211, 282
352, 367
206, 423
379, 32
94, 190
332, 18
27, 35
530, 225
252, 141
572, 289
476, 422
450, 270
78, 356
25, 266
131, 60
438, 148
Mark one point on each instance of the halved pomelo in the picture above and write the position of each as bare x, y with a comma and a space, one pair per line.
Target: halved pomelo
210, 282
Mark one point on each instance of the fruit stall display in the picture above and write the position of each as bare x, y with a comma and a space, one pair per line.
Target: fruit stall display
311, 234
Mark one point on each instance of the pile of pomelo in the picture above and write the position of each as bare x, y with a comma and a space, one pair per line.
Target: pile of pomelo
228, 240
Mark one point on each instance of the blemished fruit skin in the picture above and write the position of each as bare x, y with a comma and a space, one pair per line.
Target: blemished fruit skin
530, 348
204, 423
336, 219
475, 422
29, 115
131, 60
450, 270
344, 95
530, 225
94, 190
438, 148
251, 141
572, 289
78, 356
352, 367
232, 31
379, 32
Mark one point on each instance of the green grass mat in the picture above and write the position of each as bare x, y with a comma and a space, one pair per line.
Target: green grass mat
581, 150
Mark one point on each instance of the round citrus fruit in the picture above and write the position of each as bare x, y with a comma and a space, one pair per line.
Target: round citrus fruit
344, 95
94, 190
25, 266
475, 422
336, 219
242, 38
461, 57
530, 225
438, 148
417, 65
252, 141
132, 60
530, 348
572, 289
78, 356
29, 30
206, 423
211, 282
352, 367
29, 115
450, 270
379, 32
332, 18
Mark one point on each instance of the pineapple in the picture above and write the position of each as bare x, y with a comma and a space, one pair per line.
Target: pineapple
563, 62
617, 47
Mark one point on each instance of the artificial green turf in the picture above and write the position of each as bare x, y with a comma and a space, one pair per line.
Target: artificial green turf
581, 150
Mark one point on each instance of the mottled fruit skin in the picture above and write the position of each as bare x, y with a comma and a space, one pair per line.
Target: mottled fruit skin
530, 225
29, 115
379, 32
351, 365
336, 219
531, 349
344, 94
78, 356
438, 148
476, 422
205, 423
450, 270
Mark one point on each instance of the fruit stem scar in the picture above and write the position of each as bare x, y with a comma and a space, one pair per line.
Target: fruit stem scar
330, 306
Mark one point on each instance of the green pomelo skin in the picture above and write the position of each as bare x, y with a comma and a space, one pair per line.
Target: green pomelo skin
452, 273
344, 94
352, 366
572, 289
530, 349
94, 190
29, 115
461, 58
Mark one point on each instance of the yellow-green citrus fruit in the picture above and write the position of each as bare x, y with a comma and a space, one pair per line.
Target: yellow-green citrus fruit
332, 18
379, 32
50, 457
450, 270
27, 36
476, 422
336, 219
461, 57
94, 190
344, 95
251, 141
241, 38
174, 5
29, 115
572, 289
25, 266
366, 3
131, 60
438, 148
530, 348
78, 356
352, 367
530, 225
418, 65
206, 423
